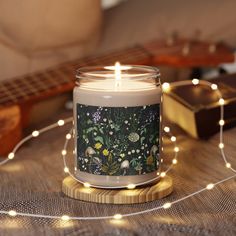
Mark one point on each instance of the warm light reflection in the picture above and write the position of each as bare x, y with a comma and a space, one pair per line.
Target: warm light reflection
87, 185
13, 168
65, 217
120, 222
131, 186
11, 223
168, 219
86, 190
163, 174
131, 192
64, 224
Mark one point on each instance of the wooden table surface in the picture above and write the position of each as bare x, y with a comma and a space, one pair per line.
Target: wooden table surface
32, 183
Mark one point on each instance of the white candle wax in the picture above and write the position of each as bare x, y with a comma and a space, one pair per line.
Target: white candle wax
128, 93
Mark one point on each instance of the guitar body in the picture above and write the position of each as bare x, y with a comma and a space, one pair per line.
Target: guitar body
10, 128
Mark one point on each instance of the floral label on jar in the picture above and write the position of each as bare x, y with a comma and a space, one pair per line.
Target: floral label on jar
118, 141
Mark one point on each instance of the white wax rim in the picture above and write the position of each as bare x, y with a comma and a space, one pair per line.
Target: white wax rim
118, 85
120, 93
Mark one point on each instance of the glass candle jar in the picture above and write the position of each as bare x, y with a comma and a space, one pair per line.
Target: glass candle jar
117, 114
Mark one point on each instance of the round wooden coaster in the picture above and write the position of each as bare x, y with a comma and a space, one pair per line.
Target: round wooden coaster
76, 190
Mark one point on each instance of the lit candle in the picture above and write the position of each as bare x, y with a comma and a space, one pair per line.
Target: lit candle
117, 124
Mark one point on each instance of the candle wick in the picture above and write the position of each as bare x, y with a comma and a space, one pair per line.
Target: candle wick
117, 74
117, 71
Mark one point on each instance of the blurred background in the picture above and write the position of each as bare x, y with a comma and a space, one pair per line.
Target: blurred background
35, 35
43, 42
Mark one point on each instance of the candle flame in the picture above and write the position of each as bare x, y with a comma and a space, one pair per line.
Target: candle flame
117, 71
117, 68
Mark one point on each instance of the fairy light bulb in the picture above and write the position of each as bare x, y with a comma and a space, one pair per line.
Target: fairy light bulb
11, 155
61, 122
68, 136
12, 213
221, 122
173, 138
65, 217
63, 152
163, 174
221, 101
195, 81
214, 87
66, 169
167, 129
210, 186
174, 161
221, 145
131, 186
166, 87
228, 165
117, 216
87, 185
35, 133
167, 205
176, 149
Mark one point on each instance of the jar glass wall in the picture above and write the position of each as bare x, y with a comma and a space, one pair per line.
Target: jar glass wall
117, 113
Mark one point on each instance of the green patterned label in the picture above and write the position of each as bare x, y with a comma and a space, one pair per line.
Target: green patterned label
118, 141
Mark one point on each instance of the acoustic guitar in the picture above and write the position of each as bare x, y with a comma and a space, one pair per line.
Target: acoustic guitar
18, 95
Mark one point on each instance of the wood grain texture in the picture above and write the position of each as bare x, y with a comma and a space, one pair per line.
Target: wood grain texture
10, 128
76, 190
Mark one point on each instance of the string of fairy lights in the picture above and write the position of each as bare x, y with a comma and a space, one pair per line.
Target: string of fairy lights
166, 88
